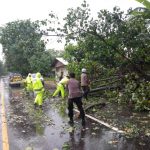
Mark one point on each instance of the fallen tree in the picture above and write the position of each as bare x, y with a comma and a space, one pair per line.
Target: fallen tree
101, 104
104, 88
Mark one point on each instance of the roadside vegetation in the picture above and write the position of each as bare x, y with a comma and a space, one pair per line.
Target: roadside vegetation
115, 46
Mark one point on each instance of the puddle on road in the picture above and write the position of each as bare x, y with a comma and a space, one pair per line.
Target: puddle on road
49, 129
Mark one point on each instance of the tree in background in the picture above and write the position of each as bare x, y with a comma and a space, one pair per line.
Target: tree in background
2, 68
21, 41
42, 61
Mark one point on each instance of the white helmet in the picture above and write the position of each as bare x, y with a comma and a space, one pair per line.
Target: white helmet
83, 70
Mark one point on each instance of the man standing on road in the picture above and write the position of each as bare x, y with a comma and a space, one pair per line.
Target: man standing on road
39, 90
75, 96
85, 83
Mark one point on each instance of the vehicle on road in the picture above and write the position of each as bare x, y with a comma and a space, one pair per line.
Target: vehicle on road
15, 79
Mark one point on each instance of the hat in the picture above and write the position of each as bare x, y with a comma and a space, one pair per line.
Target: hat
83, 70
38, 75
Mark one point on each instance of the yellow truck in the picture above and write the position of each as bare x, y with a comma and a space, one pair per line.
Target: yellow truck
15, 79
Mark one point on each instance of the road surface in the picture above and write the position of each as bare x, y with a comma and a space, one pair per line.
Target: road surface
23, 128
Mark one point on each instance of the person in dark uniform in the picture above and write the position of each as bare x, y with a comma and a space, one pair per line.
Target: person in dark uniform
75, 96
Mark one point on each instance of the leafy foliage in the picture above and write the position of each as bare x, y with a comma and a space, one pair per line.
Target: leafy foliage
146, 3
42, 61
111, 39
144, 11
2, 68
20, 40
23, 48
136, 92
114, 42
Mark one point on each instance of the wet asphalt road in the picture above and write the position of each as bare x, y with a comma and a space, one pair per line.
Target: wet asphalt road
59, 135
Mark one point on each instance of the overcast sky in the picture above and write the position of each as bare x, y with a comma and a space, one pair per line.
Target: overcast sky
12, 10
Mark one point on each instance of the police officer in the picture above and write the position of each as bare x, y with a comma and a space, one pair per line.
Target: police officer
39, 90
61, 87
28, 81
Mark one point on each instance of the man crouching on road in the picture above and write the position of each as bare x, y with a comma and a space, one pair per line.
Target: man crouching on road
39, 90
74, 96
61, 87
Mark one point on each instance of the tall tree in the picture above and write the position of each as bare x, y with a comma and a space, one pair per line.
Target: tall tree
112, 38
21, 40
42, 61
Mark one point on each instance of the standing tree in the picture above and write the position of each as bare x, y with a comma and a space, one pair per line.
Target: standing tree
113, 38
42, 62
21, 41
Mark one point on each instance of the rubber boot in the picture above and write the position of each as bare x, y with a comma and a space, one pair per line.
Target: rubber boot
35, 106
